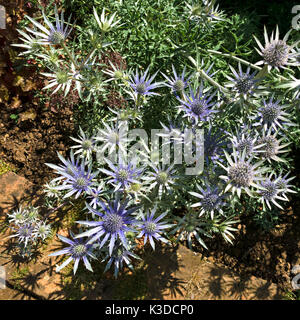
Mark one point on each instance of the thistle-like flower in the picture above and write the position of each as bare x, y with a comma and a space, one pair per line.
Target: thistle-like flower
75, 178
212, 200
276, 53
104, 23
282, 183
42, 230
189, 227
86, 145
118, 257
32, 214
31, 44
246, 140
18, 216
272, 114
62, 79
241, 174
176, 83
138, 191
94, 195
151, 228
113, 137
271, 145
123, 175
24, 233
113, 224
269, 192
242, 84
57, 34
116, 74
197, 106
77, 250
162, 177
205, 12
141, 84
81, 182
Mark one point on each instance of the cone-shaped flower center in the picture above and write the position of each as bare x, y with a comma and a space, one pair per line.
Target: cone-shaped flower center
118, 74
19, 217
61, 77
141, 88
113, 138
178, 85
271, 146
270, 112
241, 174
276, 53
112, 222
244, 84
150, 227
123, 174
270, 190
245, 144
135, 187
56, 37
198, 107
162, 177
42, 229
25, 231
81, 182
86, 144
209, 201
79, 250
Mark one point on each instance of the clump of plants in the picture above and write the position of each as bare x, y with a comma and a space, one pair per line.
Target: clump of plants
224, 151
29, 228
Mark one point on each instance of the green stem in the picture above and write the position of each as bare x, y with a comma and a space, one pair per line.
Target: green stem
69, 54
92, 51
206, 77
235, 58
87, 58
139, 96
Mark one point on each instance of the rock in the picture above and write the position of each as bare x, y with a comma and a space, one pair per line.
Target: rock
12, 188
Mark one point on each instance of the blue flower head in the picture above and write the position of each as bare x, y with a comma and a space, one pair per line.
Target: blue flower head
24, 233
94, 196
198, 106
176, 83
243, 83
211, 200
55, 34
272, 114
151, 228
123, 175
77, 250
118, 257
142, 84
115, 221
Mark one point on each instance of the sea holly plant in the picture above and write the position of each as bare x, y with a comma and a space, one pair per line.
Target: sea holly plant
138, 193
29, 228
